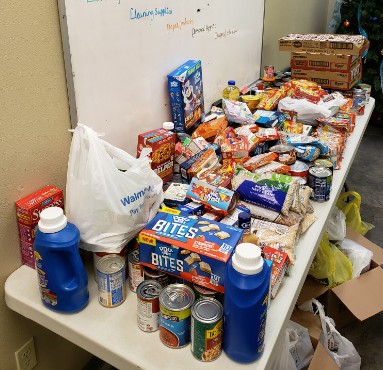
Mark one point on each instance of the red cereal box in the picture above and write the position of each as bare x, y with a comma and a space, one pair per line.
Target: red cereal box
28, 214
280, 262
162, 143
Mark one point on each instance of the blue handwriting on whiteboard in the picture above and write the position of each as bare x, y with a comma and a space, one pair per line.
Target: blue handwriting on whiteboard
150, 13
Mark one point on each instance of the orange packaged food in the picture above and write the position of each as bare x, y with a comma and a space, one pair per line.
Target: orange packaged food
259, 160
207, 161
209, 130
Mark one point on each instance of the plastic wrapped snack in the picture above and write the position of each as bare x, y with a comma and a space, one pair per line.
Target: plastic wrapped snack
209, 130
259, 160
307, 221
275, 167
237, 112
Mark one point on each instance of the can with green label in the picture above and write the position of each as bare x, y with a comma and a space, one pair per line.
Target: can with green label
206, 329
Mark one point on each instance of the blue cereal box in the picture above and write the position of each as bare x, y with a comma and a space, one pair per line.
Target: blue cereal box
186, 96
193, 248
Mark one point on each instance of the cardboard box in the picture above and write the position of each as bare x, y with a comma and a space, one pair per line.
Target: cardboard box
359, 298
186, 96
325, 62
324, 43
329, 80
194, 249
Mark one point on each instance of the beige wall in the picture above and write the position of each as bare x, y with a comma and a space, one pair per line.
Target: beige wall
291, 16
34, 145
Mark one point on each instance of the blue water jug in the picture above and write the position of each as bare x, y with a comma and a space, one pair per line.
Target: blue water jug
247, 285
62, 278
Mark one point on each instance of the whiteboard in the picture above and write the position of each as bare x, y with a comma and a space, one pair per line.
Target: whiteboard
118, 54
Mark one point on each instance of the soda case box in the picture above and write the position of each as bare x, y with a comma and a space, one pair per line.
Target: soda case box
28, 215
356, 299
186, 96
325, 62
162, 143
324, 43
192, 248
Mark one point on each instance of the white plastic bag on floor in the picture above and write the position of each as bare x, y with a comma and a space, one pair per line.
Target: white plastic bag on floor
359, 256
108, 204
336, 225
300, 346
284, 360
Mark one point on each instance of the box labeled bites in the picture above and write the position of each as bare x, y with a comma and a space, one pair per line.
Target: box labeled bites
28, 215
280, 262
325, 62
162, 143
195, 249
186, 96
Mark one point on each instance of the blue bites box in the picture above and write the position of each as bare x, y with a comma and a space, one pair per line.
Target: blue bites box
195, 249
186, 96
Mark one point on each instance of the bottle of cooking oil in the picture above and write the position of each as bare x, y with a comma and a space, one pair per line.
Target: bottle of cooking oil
231, 92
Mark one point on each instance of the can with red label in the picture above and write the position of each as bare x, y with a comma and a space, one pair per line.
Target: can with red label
160, 276
136, 275
148, 305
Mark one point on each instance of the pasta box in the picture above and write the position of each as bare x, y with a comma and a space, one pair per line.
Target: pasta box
194, 249
186, 96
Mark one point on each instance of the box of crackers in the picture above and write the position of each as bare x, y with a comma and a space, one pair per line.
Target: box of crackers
186, 96
192, 248
162, 142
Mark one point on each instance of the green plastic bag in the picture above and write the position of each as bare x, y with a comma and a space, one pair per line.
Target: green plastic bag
351, 210
330, 266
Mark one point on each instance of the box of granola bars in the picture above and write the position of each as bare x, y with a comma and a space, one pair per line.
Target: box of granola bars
194, 249
186, 96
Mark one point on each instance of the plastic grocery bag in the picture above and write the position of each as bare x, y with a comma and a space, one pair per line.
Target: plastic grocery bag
110, 195
351, 209
300, 346
336, 225
338, 347
283, 359
330, 266
305, 109
359, 256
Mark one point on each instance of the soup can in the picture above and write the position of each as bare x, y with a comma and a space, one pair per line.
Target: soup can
202, 292
319, 180
111, 280
367, 89
148, 305
206, 329
136, 275
152, 274
98, 255
175, 315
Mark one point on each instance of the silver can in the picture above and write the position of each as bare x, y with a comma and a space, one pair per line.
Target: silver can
111, 280
136, 274
319, 179
148, 305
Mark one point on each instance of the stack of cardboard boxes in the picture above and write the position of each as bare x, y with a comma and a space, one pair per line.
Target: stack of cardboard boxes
332, 61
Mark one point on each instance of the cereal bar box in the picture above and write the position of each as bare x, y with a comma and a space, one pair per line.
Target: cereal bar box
193, 248
28, 215
186, 96
162, 142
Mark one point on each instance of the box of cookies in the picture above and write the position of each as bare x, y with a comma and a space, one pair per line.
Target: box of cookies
194, 249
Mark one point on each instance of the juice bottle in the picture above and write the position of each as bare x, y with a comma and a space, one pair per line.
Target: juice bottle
231, 92
62, 278
246, 298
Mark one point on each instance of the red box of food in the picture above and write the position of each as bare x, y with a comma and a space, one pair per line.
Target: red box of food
280, 262
162, 143
28, 214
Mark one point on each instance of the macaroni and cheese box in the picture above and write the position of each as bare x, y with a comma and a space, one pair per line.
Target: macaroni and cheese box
186, 96
195, 249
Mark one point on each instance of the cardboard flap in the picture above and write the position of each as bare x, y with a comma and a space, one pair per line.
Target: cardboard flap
363, 296
375, 249
310, 289
322, 360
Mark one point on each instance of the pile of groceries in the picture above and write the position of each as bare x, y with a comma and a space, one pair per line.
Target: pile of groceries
237, 189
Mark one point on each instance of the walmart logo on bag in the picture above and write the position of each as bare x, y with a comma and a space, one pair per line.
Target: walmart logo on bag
129, 199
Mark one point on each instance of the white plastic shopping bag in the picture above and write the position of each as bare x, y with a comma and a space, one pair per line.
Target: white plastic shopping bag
110, 195
300, 346
283, 359
336, 225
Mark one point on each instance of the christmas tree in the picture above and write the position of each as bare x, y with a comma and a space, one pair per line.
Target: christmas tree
357, 17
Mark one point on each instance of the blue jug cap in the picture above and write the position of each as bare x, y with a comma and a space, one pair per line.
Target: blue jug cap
247, 259
52, 220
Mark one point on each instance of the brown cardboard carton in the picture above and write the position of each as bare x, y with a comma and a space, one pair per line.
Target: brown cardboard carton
324, 43
324, 62
359, 298
322, 360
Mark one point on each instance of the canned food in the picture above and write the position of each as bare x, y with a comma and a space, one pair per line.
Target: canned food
206, 329
136, 275
152, 274
98, 255
202, 292
148, 305
324, 163
300, 169
367, 89
286, 153
319, 180
111, 280
175, 315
